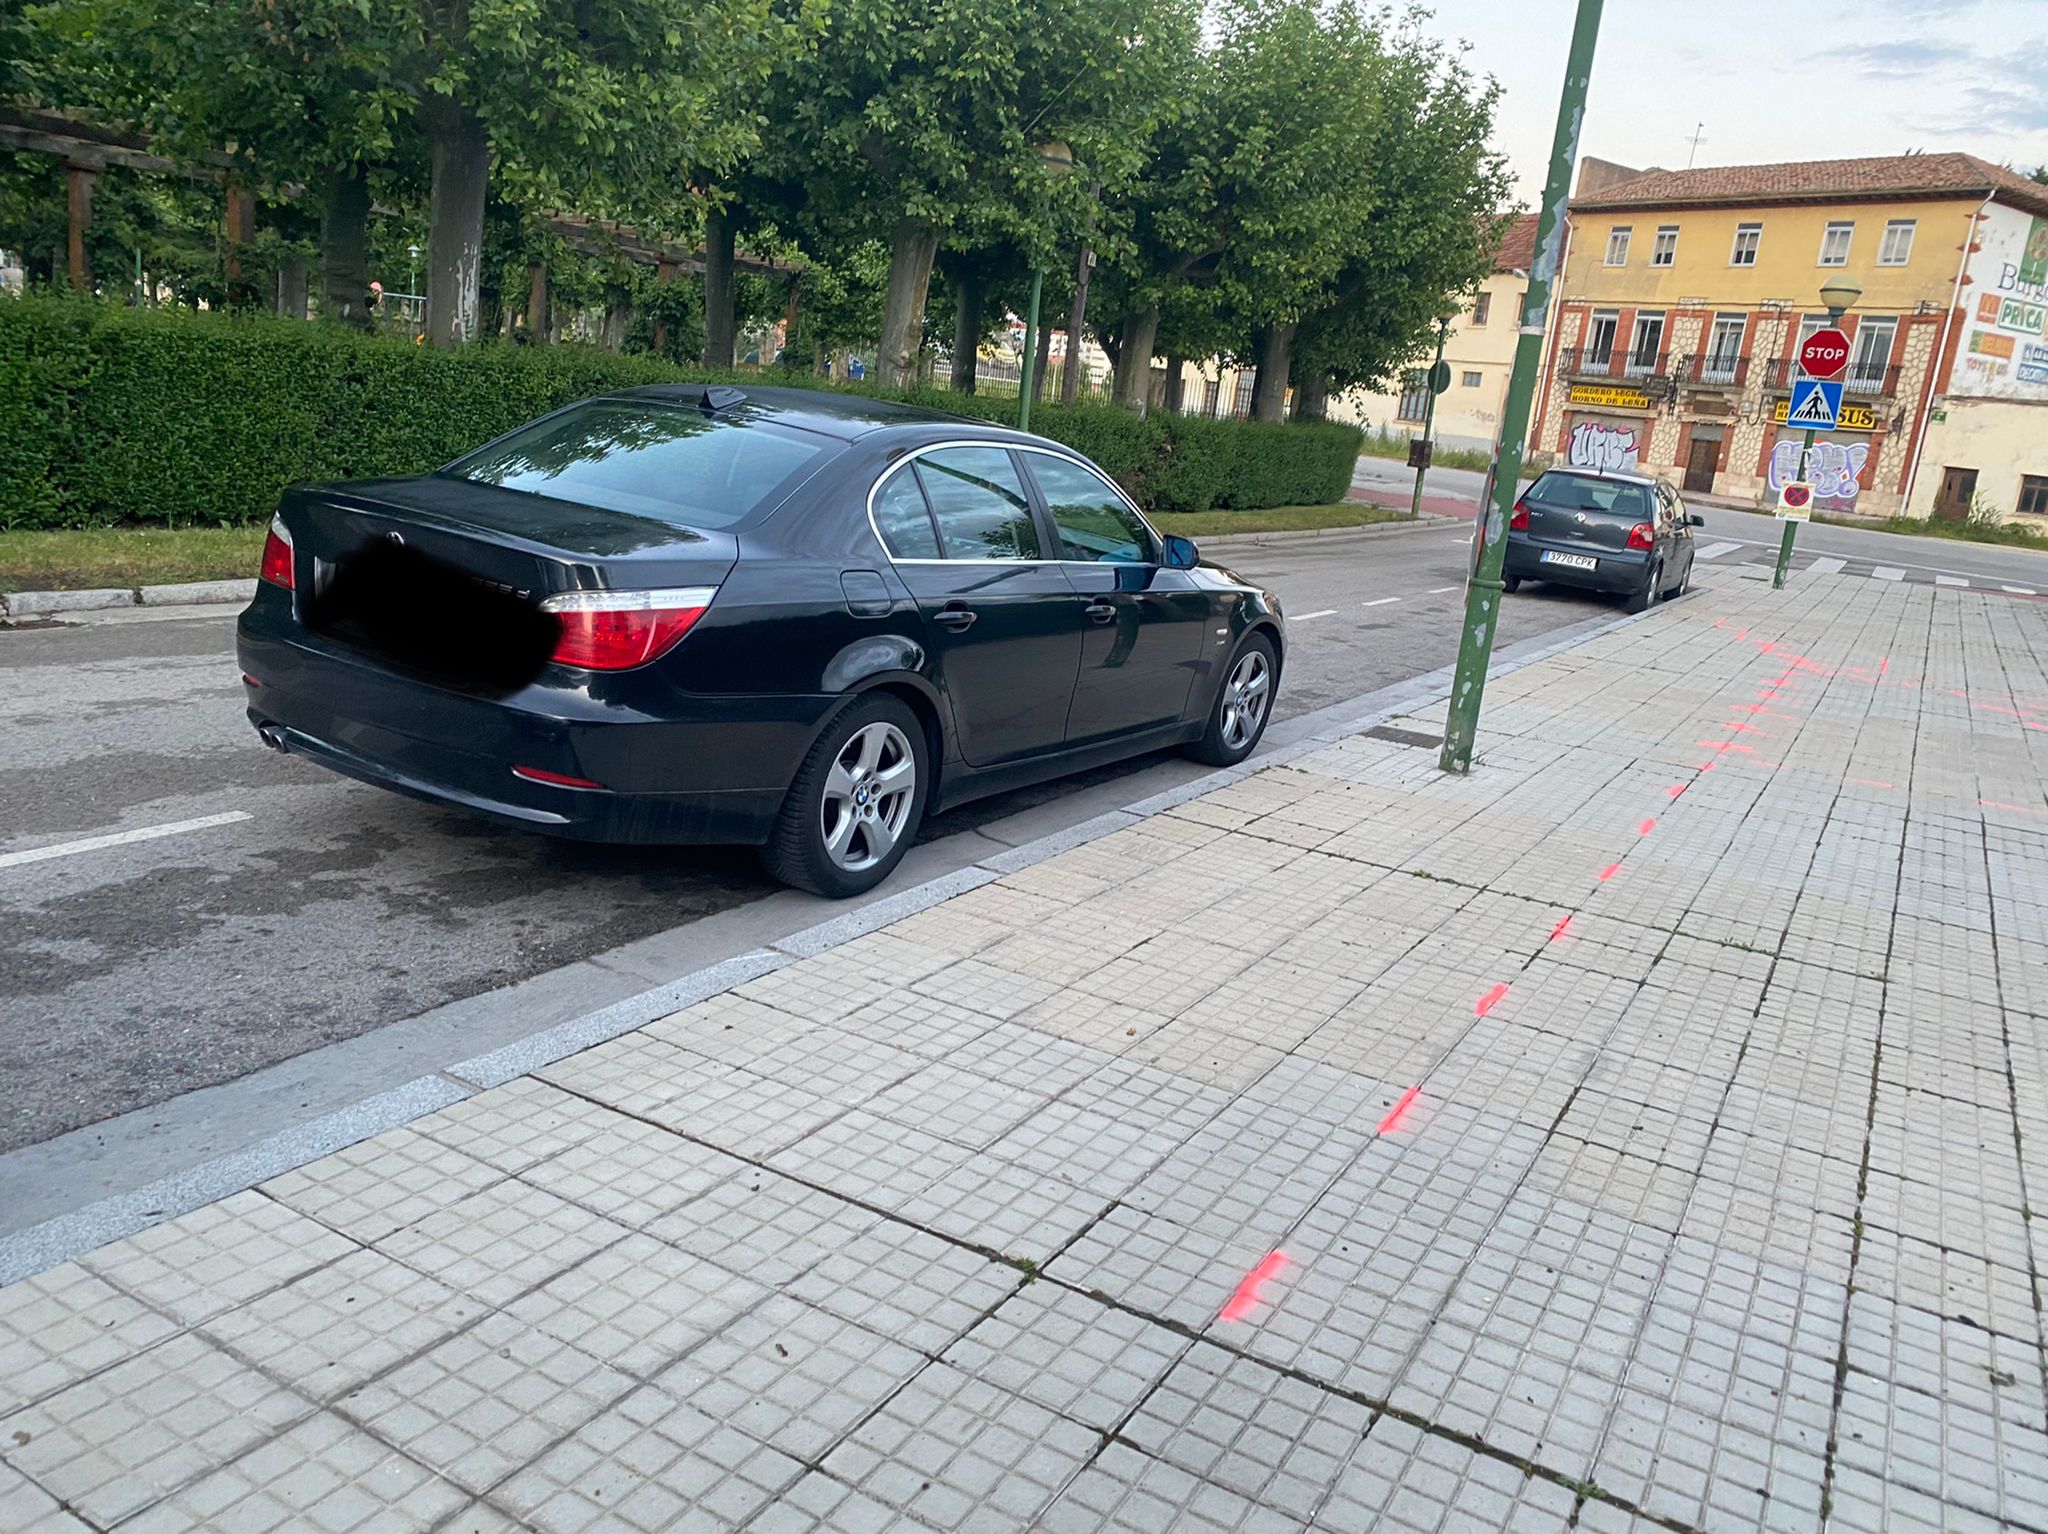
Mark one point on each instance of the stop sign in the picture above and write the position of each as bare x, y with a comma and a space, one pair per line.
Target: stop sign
1824, 353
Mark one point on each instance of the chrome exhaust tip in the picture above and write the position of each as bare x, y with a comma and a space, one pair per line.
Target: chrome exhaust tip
272, 735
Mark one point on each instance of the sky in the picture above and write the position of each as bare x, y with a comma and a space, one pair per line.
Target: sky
1770, 79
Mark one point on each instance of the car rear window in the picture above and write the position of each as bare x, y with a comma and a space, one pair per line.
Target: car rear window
664, 461
1575, 492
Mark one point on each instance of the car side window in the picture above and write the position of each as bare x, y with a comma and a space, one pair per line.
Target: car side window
978, 503
903, 519
1093, 521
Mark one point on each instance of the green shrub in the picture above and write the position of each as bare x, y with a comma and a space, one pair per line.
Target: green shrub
168, 418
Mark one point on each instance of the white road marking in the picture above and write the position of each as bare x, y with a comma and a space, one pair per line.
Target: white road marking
1827, 566
1715, 550
1888, 573
1437, 591
1304, 617
1950, 580
1380, 601
2020, 591
119, 838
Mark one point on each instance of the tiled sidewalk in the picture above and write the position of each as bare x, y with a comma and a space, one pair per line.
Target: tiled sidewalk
1634, 1135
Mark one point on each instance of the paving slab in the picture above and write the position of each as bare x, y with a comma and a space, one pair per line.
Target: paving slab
1642, 1132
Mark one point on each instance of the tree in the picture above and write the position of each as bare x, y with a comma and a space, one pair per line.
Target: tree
922, 124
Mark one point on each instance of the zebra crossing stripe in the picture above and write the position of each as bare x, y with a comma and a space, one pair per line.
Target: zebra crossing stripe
1827, 566
1715, 550
1950, 580
2020, 591
1888, 573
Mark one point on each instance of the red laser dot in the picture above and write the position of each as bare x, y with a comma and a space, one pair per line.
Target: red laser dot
1246, 1295
1883, 664
1401, 1105
1560, 929
1609, 872
1490, 1000
1675, 790
1647, 826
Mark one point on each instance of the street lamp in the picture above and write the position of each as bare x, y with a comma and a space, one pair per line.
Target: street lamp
413, 287
1840, 295
1057, 160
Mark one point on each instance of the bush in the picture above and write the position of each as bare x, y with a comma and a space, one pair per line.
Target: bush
170, 418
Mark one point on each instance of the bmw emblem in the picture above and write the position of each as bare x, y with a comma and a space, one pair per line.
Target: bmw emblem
399, 538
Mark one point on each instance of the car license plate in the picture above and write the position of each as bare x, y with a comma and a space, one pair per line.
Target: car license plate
1569, 561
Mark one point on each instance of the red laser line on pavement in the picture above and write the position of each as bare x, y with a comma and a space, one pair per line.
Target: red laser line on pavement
2000, 804
1560, 929
1240, 1303
1401, 1105
1609, 872
1872, 782
1675, 790
1490, 1000
1647, 826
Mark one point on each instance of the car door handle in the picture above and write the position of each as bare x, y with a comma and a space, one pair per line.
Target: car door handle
1101, 612
958, 619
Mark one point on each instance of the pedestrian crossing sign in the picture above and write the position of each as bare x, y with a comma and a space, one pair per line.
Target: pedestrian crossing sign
1815, 404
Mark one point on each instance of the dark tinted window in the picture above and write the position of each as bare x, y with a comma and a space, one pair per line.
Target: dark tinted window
1579, 492
1093, 521
650, 460
903, 521
979, 503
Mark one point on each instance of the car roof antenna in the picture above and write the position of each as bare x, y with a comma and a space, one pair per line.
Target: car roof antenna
719, 397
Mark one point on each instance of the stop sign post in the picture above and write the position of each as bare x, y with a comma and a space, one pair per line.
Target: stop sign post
1824, 353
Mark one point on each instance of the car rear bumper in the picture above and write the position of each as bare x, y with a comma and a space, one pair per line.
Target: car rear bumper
1613, 570
703, 770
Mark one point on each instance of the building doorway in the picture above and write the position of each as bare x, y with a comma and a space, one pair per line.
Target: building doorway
1702, 459
1958, 489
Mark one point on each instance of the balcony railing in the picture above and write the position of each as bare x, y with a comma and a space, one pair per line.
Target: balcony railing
1590, 362
1878, 378
1717, 368
1646, 365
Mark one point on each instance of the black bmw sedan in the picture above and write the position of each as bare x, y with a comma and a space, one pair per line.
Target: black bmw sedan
699, 614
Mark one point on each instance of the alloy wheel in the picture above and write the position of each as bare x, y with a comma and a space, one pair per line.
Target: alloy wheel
869, 791
1245, 696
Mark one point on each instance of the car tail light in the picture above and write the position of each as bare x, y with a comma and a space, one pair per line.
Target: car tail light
1642, 536
616, 630
1520, 520
277, 555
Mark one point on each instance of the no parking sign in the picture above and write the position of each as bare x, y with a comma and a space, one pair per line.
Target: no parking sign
1795, 500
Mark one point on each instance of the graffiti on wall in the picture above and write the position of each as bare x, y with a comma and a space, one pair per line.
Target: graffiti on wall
1594, 446
1832, 468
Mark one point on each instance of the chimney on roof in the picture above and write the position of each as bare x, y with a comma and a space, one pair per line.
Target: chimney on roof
1597, 175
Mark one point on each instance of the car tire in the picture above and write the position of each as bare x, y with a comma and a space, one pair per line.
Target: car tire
843, 828
1678, 590
1644, 597
1244, 703
1511, 584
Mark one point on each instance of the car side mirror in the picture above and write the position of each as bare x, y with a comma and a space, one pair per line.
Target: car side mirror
1697, 520
1181, 553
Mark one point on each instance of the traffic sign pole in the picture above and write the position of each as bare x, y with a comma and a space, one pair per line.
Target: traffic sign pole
1824, 354
1443, 330
1791, 527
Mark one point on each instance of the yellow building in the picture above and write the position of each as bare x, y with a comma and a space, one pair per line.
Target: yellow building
1686, 295
1480, 349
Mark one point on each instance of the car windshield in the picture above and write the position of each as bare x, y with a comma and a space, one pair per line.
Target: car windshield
650, 460
1577, 492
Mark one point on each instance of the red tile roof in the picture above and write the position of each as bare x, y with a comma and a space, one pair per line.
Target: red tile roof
1796, 181
1517, 248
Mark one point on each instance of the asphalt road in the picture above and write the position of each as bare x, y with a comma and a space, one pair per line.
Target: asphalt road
133, 972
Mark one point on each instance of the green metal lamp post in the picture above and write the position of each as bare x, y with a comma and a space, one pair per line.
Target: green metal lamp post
1483, 592
1058, 160
1840, 295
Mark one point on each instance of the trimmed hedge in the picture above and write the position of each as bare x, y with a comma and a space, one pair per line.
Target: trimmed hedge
168, 418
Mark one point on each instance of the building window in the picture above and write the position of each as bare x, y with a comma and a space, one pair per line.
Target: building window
1521, 306
1414, 396
1870, 355
1897, 248
1665, 250
1747, 238
2033, 495
1600, 338
1617, 245
1212, 390
1645, 344
1473, 380
1482, 306
1242, 404
1834, 244
1724, 348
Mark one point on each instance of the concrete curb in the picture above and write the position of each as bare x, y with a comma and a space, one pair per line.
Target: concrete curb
46, 604
62, 1237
